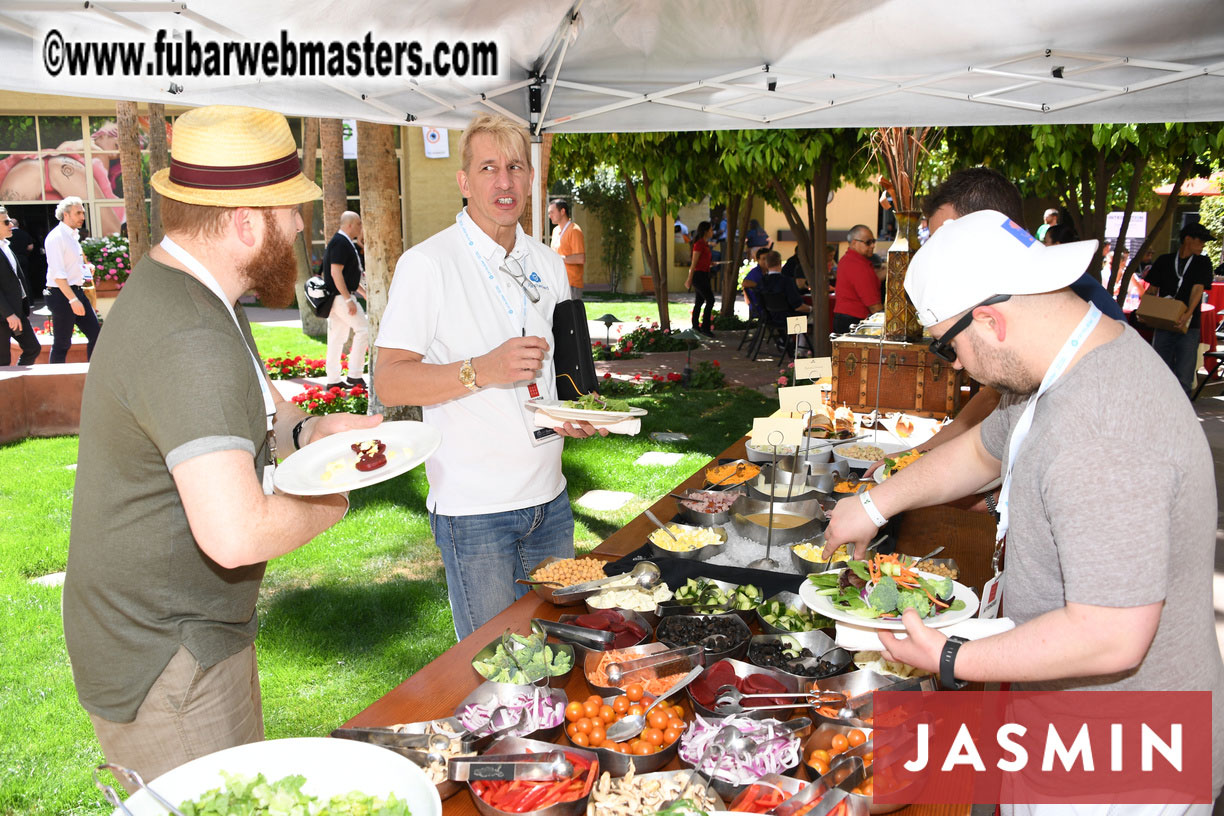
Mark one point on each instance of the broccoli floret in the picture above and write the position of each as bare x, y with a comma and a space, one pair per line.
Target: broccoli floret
940, 587
913, 598
884, 596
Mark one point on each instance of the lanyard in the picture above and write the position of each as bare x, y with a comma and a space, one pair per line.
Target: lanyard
1181, 274
493, 279
1025, 423
201, 273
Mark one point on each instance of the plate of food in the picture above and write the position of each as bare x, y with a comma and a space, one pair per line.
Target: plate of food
312, 771
862, 455
912, 430
893, 463
874, 593
833, 423
590, 408
357, 458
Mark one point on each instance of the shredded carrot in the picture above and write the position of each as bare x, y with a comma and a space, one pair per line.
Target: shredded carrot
653, 686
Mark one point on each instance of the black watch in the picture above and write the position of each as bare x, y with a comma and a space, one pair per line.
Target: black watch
297, 432
947, 664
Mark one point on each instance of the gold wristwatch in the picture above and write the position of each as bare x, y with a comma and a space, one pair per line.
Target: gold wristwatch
467, 375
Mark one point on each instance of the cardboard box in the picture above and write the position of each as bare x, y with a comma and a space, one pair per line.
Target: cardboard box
1160, 312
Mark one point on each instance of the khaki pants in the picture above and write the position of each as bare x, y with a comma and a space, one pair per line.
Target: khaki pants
187, 713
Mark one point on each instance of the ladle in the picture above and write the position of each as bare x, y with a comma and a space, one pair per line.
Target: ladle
646, 575
629, 727
655, 521
931, 554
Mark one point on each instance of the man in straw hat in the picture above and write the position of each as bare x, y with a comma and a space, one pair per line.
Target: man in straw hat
173, 515
1015, 324
464, 336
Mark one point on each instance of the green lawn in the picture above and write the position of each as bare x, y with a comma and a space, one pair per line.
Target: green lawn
630, 307
342, 620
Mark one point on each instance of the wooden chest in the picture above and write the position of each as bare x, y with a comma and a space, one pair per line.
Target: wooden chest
911, 379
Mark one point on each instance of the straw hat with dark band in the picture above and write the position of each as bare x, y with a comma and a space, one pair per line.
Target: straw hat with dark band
227, 156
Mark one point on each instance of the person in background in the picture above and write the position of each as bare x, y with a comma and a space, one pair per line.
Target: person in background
569, 243
67, 271
752, 280
14, 302
343, 262
22, 244
699, 280
1048, 220
173, 514
466, 335
1183, 275
757, 237
858, 286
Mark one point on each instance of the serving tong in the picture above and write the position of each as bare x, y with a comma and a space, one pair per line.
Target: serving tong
649, 667
729, 700
588, 638
112, 795
540, 767
845, 774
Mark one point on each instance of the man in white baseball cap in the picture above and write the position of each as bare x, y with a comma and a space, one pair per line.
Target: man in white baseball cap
1077, 480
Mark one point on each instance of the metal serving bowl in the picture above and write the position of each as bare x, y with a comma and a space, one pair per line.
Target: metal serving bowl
796, 484
858, 685
728, 790
700, 519
823, 475
546, 592
556, 680
822, 738
517, 745
808, 509
698, 782
807, 567
817, 642
591, 662
949, 563
742, 670
675, 607
788, 599
446, 788
765, 453
789, 785
739, 643
618, 764
581, 652
501, 693
701, 554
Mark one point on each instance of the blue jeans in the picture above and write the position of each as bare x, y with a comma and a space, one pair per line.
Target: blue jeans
63, 320
485, 553
1180, 353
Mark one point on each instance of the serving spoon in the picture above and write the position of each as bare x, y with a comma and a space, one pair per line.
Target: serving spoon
646, 575
629, 727
655, 521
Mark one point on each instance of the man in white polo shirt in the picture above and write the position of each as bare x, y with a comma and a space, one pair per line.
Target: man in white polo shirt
466, 334
65, 276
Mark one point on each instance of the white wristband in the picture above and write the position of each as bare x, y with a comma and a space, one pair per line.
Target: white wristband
873, 513
351, 299
73, 300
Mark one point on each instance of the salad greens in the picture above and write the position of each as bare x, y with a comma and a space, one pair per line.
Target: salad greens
245, 795
594, 402
884, 588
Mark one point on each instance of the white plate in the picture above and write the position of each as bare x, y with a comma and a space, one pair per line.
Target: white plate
408, 445
822, 605
332, 767
558, 410
924, 428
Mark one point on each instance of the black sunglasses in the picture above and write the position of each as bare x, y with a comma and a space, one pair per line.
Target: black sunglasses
942, 348
870, 242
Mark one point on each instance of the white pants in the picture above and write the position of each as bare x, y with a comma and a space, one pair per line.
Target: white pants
339, 324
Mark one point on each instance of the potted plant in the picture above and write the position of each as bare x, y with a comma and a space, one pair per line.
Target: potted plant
111, 260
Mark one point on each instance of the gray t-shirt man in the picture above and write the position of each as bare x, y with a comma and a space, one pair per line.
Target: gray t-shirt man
1113, 503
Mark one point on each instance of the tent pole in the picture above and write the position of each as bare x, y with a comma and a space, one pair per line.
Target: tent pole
536, 223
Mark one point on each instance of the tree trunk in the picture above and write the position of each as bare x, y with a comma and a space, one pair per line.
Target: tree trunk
1138, 165
312, 326
1183, 173
818, 275
331, 136
133, 182
646, 234
730, 287
378, 180
159, 158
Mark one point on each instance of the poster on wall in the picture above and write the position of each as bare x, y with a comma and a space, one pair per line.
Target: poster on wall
437, 145
348, 127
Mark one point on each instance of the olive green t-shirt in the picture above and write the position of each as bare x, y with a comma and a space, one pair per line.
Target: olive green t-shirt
170, 379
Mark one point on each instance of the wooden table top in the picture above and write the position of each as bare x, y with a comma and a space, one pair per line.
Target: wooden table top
438, 688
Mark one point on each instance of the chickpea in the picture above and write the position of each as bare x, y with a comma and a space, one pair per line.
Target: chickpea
570, 571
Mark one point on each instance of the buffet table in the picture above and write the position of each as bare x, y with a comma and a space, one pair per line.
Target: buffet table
438, 688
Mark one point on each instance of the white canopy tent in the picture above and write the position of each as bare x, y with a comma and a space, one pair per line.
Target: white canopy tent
639, 65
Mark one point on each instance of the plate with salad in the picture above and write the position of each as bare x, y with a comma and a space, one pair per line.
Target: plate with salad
875, 593
589, 408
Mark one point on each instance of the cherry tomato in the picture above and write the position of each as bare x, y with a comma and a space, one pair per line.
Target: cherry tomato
580, 740
607, 713
620, 705
657, 719
819, 754
821, 766
636, 709
644, 748
594, 698
571, 729
634, 692
653, 735
679, 709
590, 709
671, 735
840, 743
597, 736
856, 738
584, 725
573, 711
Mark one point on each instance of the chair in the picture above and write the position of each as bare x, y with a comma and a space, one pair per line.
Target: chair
755, 324
774, 326
1213, 361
